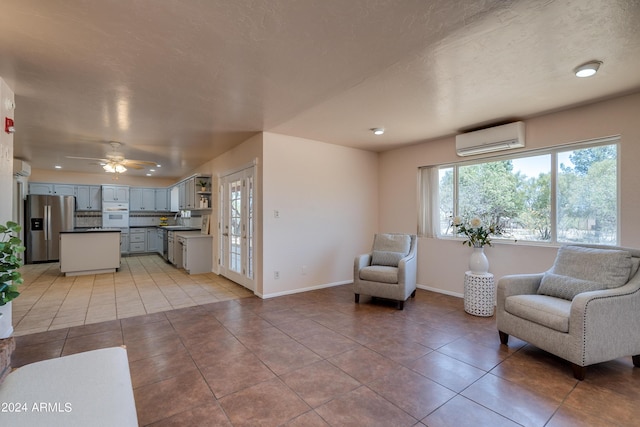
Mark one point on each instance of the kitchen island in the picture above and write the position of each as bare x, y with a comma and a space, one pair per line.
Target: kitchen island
89, 251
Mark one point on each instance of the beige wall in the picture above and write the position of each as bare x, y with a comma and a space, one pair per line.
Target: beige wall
327, 198
6, 156
442, 263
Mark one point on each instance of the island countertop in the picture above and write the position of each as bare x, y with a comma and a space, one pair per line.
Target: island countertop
93, 230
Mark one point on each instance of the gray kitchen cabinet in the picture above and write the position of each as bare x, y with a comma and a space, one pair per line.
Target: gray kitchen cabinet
162, 199
152, 240
182, 195
137, 240
190, 193
88, 198
142, 199
160, 235
124, 242
49, 188
40, 188
64, 189
115, 193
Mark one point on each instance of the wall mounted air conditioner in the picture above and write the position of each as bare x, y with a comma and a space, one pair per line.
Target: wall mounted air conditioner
21, 168
497, 138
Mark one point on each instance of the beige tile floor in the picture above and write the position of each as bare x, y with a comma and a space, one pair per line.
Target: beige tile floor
144, 284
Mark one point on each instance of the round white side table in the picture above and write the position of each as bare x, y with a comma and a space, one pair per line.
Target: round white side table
479, 294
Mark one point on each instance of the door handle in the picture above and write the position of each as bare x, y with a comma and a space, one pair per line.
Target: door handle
225, 234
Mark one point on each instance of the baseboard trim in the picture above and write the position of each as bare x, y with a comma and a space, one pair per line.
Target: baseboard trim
300, 290
440, 291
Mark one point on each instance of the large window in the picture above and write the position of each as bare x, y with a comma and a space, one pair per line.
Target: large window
565, 195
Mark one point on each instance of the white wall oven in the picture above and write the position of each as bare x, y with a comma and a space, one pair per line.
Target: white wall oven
115, 215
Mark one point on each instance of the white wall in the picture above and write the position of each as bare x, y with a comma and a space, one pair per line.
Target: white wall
6, 187
442, 263
327, 199
6, 155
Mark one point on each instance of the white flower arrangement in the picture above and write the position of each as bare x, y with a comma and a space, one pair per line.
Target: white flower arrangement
477, 234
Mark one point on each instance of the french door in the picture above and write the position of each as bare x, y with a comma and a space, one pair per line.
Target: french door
237, 227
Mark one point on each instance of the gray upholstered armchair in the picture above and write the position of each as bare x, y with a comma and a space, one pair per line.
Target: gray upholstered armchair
585, 309
389, 271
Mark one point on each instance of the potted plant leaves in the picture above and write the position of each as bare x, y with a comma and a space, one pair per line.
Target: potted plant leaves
10, 261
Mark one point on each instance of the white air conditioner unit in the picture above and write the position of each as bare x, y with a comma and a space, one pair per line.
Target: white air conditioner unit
22, 168
497, 138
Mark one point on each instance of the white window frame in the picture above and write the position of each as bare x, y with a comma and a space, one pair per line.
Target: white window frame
428, 203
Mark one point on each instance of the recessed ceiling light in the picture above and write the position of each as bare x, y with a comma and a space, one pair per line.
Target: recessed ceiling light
152, 170
58, 167
148, 174
158, 166
377, 131
588, 69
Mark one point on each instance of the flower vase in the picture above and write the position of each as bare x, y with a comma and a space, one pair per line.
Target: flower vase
478, 262
6, 326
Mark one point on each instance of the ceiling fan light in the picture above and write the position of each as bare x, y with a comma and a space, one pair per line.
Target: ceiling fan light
120, 169
109, 168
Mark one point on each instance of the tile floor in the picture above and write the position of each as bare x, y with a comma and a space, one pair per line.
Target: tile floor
318, 359
144, 284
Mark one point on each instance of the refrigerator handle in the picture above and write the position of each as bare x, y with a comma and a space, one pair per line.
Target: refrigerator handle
47, 222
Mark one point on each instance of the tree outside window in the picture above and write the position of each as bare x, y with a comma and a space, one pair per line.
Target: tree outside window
516, 193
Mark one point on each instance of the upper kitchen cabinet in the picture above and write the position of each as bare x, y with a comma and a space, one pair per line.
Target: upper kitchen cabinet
142, 199
88, 198
162, 199
195, 193
190, 191
115, 193
48, 188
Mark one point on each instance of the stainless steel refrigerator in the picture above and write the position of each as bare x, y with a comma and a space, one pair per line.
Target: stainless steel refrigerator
46, 216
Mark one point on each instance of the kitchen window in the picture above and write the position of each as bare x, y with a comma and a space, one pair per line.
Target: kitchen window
568, 194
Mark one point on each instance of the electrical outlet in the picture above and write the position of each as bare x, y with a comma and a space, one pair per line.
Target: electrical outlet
276, 214
276, 275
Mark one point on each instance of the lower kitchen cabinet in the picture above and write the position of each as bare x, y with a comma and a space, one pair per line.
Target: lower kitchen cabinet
152, 240
124, 242
137, 240
196, 252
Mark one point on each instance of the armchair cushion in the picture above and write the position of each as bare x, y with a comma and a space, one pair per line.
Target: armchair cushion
566, 287
387, 258
379, 273
541, 309
607, 266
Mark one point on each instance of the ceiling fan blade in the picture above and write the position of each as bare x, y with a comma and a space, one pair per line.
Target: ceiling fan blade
139, 162
137, 167
87, 158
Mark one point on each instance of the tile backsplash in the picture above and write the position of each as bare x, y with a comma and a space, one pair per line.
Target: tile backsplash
94, 219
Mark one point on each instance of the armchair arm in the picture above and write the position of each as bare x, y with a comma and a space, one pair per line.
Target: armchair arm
519, 284
516, 284
359, 263
609, 321
407, 269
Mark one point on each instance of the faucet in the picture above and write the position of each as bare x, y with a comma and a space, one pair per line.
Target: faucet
175, 218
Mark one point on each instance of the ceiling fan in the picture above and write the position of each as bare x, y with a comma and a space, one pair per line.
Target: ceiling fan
115, 162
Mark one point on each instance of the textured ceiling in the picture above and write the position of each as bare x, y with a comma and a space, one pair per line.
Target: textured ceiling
180, 82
